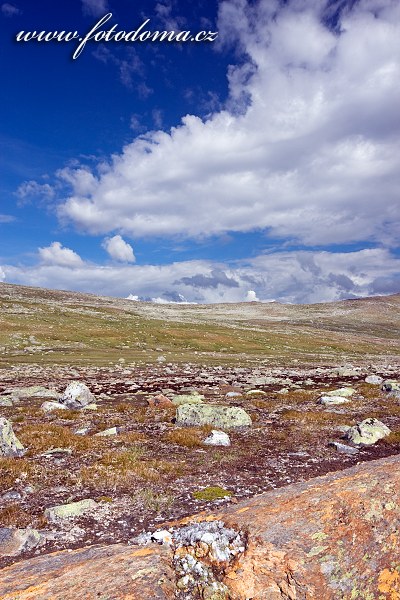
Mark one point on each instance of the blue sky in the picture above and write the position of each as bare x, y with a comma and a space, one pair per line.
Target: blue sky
261, 165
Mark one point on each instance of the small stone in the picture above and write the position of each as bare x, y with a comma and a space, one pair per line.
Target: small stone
256, 393
159, 401
54, 452
107, 432
10, 445
374, 379
10, 496
69, 511
215, 591
162, 536
218, 438
82, 431
343, 448
332, 400
201, 550
49, 406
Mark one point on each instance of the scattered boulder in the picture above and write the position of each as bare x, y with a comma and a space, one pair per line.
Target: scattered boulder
218, 438
374, 379
346, 392
347, 371
223, 417
49, 406
333, 400
194, 398
159, 401
10, 445
58, 513
367, 432
33, 391
77, 395
14, 541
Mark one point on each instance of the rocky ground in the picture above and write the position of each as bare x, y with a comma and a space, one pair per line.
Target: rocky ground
282, 371
151, 468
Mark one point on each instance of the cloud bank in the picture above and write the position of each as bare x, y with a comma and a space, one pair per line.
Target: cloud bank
298, 277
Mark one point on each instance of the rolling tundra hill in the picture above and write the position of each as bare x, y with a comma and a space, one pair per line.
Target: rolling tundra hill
47, 326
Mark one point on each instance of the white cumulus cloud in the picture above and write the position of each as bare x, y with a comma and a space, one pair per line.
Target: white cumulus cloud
56, 254
118, 249
306, 147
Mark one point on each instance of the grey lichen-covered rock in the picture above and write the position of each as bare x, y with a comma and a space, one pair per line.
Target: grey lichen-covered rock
367, 432
217, 438
199, 547
6, 401
374, 379
223, 417
333, 400
49, 406
77, 395
9, 443
69, 511
33, 391
347, 371
14, 541
346, 392
194, 398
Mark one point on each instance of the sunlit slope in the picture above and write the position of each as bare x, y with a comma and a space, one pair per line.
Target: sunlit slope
47, 326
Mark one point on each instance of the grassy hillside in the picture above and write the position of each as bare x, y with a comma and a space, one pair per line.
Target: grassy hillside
47, 327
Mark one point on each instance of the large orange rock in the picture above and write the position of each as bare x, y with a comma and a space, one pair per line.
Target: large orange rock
333, 537
104, 572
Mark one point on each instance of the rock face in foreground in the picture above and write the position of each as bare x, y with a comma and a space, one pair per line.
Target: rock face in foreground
333, 537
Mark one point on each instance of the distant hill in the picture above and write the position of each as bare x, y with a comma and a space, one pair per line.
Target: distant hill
48, 326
